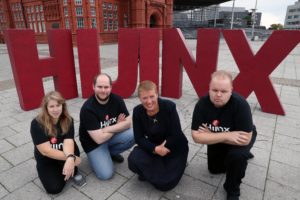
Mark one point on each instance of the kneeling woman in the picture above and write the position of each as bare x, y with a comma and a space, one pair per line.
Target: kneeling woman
55, 150
161, 153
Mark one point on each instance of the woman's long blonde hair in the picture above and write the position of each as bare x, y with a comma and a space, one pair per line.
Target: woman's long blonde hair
46, 120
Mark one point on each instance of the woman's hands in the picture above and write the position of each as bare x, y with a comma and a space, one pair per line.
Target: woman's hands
161, 149
69, 167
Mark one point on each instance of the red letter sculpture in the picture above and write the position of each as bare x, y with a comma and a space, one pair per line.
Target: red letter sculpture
29, 70
89, 60
141, 47
136, 46
255, 69
176, 54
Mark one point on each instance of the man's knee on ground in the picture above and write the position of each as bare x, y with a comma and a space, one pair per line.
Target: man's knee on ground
105, 176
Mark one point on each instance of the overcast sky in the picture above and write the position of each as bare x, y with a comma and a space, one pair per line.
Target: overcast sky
273, 11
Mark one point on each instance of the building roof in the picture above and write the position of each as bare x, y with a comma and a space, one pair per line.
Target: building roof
191, 4
229, 9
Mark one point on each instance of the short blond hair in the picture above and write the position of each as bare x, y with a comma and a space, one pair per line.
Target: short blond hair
222, 74
146, 86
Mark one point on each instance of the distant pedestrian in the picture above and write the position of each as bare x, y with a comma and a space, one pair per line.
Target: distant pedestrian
55, 150
223, 121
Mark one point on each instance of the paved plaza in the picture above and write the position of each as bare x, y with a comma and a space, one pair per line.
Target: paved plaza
273, 174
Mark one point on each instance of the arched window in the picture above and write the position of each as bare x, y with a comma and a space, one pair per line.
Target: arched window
153, 21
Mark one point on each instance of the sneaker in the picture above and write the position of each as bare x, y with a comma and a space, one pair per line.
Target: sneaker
117, 158
79, 180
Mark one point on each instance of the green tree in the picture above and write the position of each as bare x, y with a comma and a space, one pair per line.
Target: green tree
248, 20
276, 27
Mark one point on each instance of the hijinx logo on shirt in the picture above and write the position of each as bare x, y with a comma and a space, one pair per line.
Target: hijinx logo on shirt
53, 142
108, 121
215, 128
57, 146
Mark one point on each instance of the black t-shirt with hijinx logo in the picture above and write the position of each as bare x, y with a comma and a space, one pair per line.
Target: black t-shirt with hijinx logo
94, 115
234, 116
39, 136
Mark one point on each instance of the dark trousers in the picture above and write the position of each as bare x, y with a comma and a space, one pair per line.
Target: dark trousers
163, 173
232, 160
50, 174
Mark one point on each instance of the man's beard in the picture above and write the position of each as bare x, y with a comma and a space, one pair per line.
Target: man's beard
102, 99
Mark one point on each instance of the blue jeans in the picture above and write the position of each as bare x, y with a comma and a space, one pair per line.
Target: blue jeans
100, 158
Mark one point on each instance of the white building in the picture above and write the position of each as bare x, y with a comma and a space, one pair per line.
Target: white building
292, 17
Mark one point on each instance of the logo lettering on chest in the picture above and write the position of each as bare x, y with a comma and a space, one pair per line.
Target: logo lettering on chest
108, 122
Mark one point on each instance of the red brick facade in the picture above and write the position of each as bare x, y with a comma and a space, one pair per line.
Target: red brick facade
107, 16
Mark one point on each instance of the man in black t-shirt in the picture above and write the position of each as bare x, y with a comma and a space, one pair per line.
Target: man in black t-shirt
223, 121
105, 128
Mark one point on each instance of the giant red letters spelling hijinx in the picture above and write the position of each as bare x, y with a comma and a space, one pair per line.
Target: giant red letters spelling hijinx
140, 47
28, 69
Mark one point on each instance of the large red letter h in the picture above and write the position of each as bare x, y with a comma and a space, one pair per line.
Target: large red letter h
29, 69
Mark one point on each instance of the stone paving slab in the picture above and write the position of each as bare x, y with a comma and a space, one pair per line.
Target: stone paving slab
3, 191
273, 173
5, 146
284, 174
277, 191
20, 154
29, 191
18, 176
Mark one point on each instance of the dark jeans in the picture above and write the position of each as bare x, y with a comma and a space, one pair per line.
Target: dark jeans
50, 174
232, 160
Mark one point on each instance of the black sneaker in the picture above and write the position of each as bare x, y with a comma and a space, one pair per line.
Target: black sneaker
117, 158
79, 180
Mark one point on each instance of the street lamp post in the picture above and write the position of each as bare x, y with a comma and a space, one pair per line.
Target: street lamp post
253, 20
232, 14
216, 12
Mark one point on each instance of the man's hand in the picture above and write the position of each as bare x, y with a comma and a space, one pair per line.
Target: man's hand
121, 118
203, 129
240, 138
161, 149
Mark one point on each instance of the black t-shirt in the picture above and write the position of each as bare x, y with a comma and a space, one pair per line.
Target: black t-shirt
94, 115
39, 136
165, 125
234, 116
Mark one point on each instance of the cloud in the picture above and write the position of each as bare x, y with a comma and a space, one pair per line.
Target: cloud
273, 11
269, 18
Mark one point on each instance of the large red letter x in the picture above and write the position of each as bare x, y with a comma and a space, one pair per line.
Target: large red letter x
255, 69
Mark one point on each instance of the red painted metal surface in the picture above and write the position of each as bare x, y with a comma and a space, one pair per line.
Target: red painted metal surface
256, 68
29, 69
139, 60
89, 59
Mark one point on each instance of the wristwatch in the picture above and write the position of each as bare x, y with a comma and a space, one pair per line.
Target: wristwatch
71, 155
